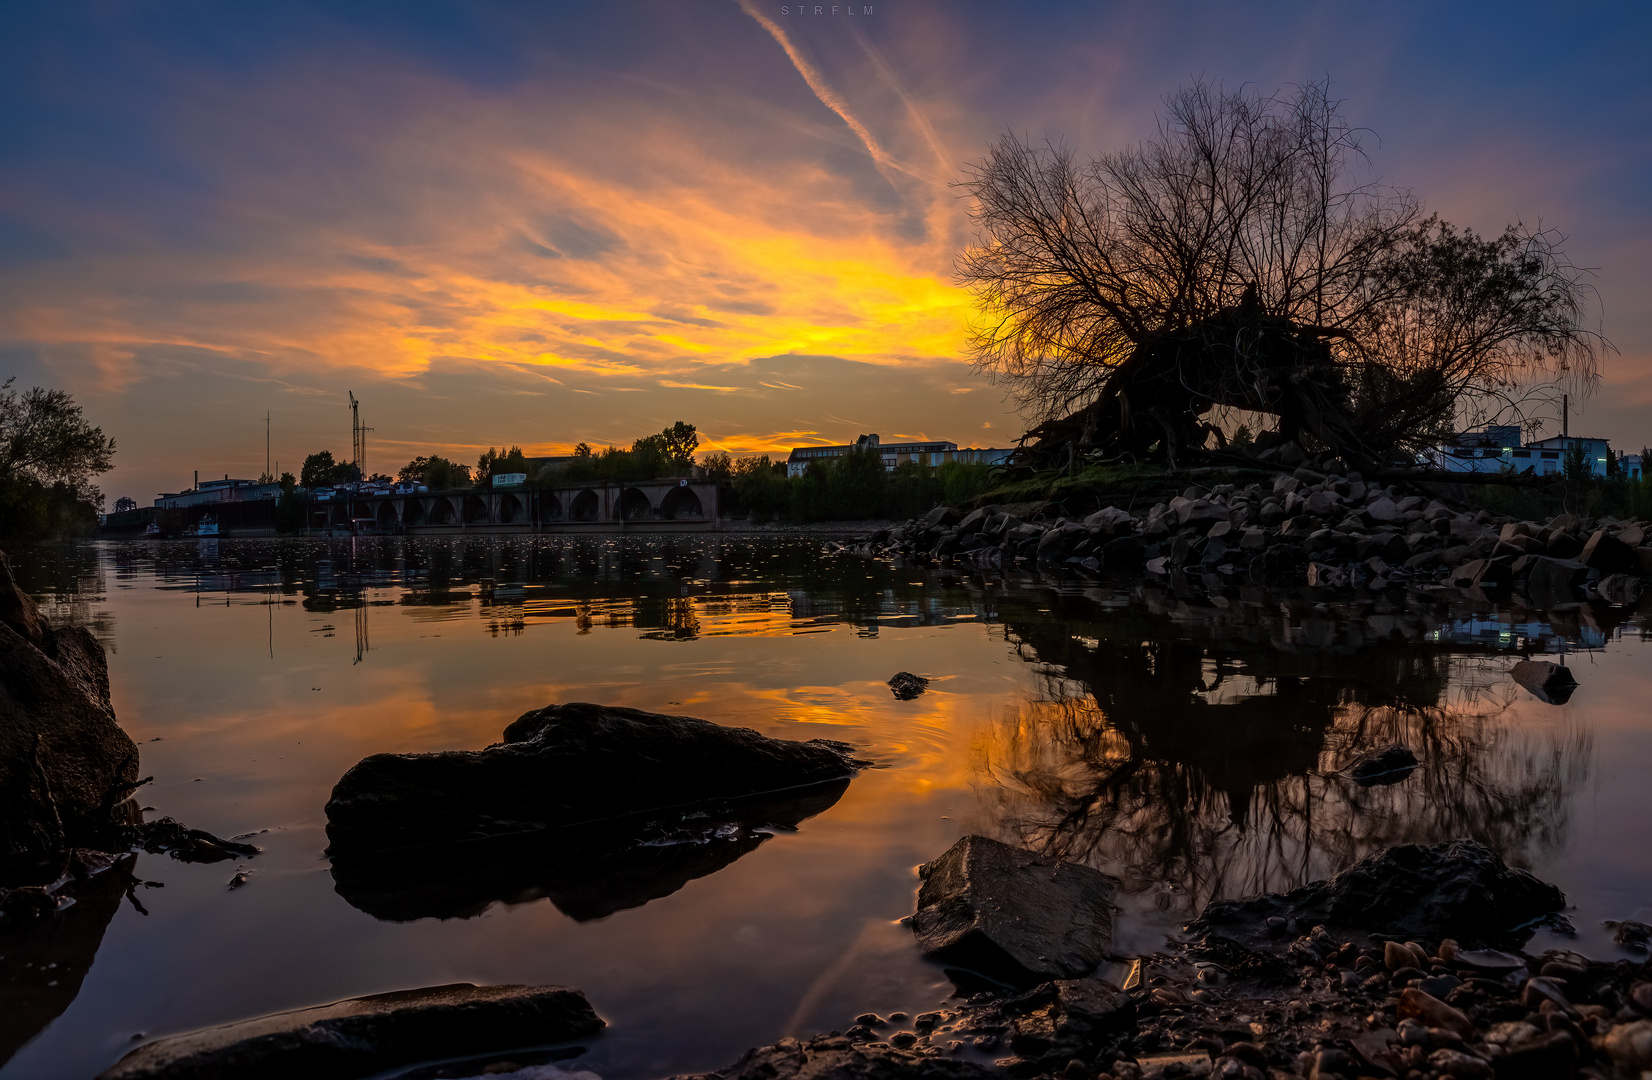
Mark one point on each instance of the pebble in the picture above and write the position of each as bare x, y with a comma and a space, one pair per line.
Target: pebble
1630, 1045
1463, 1066
1433, 1012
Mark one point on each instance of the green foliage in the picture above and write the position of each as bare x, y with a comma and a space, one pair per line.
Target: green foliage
436, 473
1575, 465
320, 470
290, 507
48, 456
1638, 494
679, 441
669, 453
761, 489
498, 463
719, 467
30, 510
912, 490
962, 481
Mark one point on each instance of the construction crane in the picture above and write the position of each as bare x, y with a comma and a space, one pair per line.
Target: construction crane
358, 438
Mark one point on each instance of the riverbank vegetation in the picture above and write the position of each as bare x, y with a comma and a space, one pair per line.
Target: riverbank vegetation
49, 454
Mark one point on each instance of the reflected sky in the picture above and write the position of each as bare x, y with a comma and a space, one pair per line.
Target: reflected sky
1192, 748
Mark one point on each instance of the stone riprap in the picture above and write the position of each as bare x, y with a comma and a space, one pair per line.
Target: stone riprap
1325, 527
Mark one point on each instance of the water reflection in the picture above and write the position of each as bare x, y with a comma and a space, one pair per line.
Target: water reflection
1190, 741
43, 961
1204, 758
586, 874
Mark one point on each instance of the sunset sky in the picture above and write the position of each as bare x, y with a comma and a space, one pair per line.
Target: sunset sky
546, 223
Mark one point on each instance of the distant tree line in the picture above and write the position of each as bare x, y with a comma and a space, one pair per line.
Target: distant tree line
854, 487
48, 456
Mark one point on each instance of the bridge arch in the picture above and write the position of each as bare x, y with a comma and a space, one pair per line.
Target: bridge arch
415, 511
511, 508
681, 503
634, 505
585, 506
385, 518
475, 510
442, 512
550, 507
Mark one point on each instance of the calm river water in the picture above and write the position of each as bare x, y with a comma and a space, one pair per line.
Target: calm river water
1188, 746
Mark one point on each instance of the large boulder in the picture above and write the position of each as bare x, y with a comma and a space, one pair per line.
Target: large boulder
1608, 554
1424, 892
66, 767
360, 1036
565, 766
1014, 915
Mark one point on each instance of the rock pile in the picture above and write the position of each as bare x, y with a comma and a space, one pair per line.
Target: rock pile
1309, 527
1388, 970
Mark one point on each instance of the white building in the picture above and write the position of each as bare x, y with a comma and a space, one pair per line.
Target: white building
894, 454
219, 491
1596, 452
1498, 449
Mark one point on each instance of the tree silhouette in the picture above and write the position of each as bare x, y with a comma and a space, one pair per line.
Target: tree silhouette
1232, 260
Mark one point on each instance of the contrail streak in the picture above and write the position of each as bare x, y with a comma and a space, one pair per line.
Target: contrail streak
828, 97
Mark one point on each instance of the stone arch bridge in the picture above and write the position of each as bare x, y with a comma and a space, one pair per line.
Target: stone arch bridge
666, 505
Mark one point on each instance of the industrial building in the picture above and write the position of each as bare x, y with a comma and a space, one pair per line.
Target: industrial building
894, 454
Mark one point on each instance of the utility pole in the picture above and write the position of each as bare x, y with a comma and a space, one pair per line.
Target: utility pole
267, 473
1565, 415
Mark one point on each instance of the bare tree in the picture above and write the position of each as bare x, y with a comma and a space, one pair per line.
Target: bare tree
1233, 260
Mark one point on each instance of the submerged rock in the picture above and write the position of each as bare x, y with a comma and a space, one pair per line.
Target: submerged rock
907, 686
1547, 682
1632, 935
359, 1036
833, 1057
1013, 915
1457, 889
66, 767
1385, 765
567, 766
